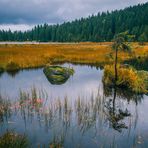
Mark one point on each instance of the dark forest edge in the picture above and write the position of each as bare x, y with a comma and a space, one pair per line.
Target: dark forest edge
101, 27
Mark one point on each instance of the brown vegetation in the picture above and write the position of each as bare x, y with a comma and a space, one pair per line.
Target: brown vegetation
37, 55
128, 78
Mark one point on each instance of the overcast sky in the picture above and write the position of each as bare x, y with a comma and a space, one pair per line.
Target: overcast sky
24, 14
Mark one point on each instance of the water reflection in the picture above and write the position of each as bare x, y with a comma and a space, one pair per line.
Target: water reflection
66, 119
116, 114
1, 73
80, 113
13, 73
85, 81
10, 73
5, 111
123, 94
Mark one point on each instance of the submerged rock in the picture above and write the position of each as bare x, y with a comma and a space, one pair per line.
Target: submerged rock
57, 74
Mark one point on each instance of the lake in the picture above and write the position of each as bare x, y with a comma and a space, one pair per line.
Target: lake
78, 113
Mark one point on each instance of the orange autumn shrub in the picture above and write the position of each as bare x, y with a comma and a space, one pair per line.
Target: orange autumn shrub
128, 78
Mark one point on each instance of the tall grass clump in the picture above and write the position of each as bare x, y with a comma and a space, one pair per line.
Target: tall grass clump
32, 100
13, 140
144, 74
128, 78
5, 108
12, 66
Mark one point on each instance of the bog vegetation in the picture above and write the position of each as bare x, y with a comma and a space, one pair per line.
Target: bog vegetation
124, 76
128, 78
38, 55
13, 140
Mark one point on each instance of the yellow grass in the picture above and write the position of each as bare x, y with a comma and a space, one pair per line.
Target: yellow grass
128, 78
36, 55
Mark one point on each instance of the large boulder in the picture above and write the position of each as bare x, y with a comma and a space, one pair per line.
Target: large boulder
57, 74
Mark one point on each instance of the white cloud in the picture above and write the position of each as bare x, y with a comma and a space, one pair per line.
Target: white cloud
16, 27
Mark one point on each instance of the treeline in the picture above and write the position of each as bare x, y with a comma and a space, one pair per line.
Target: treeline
101, 27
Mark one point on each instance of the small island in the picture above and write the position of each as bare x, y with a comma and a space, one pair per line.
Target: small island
57, 74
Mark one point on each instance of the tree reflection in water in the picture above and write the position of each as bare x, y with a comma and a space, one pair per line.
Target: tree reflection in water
123, 94
115, 114
63, 117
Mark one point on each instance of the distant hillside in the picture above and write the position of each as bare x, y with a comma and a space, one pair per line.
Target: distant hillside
101, 27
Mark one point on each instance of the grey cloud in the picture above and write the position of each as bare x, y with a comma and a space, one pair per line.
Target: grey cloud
55, 11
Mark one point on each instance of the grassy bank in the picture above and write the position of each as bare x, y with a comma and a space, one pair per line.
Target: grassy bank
37, 55
128, 79
140, 63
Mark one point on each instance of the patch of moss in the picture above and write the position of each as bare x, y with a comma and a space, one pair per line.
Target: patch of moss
128, 78
11, 66
57, 74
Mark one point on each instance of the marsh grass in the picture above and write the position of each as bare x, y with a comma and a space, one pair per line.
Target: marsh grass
12, 66
62, 116
140, 63
128, 78
13, 140
62, 112
31, 56
144, 75
5, 108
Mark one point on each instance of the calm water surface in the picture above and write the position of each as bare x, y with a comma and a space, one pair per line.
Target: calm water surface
85, 116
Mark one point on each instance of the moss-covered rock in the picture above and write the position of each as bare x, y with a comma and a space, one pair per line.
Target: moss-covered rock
57, 74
